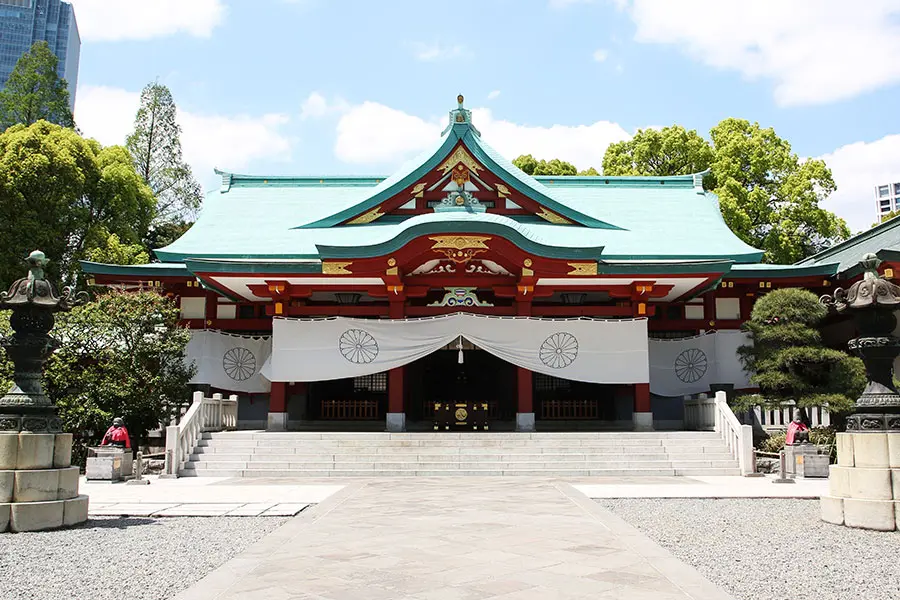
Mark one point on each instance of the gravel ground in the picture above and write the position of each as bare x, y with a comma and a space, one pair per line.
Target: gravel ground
119, 558
770, 549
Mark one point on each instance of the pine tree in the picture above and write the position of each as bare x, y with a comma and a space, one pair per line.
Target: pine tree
789, 360
34, 91
155, 146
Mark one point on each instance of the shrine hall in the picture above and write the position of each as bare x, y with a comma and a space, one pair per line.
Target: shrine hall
460, 292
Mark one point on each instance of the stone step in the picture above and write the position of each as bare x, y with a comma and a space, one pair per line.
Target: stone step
452, 435
625, 445
454, 458
552, 472
430, 465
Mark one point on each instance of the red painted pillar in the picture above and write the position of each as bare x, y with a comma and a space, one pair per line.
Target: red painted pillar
396, 414
524, 381
643, 415
277, 420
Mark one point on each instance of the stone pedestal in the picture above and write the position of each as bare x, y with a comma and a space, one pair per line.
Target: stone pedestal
643, 421
864, 485
804, 460
277, 421
106, 463
38, 485
525, 422
395, 422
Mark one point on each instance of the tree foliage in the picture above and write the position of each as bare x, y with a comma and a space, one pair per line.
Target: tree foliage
65, 195
768, 197
122, 355
114, 252
34, 91
659, 152
886, 217
6, 366
155, 145
556, 167
788, 359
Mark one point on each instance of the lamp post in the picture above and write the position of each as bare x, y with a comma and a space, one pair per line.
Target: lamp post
861, 493
38, 485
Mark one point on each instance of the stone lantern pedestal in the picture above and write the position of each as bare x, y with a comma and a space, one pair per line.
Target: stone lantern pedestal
864, 485
38, 484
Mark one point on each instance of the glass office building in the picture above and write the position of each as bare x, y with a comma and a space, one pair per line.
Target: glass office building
23, 22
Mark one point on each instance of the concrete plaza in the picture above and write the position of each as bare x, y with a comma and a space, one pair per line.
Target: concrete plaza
455, 538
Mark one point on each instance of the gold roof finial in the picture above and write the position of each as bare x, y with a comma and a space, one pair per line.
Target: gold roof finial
460, 100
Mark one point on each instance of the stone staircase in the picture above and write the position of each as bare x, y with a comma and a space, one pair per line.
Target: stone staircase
596, 454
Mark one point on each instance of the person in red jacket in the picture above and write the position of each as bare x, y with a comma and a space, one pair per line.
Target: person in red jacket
117, 435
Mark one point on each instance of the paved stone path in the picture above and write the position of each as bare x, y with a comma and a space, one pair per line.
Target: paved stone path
449, 538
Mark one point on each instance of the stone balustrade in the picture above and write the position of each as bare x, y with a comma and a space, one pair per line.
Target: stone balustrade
204, 415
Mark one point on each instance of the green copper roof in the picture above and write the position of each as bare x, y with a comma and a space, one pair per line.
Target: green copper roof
418, 167
627, 218
763, 270
881, 240
148, 271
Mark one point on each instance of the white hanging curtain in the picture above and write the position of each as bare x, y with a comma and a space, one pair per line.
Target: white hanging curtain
229, 362
691, 365
591, 350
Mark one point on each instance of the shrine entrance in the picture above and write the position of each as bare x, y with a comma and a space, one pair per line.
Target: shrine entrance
480, 379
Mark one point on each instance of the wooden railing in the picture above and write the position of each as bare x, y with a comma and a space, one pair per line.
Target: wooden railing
204, 414
570, 409
346, 410
738, 437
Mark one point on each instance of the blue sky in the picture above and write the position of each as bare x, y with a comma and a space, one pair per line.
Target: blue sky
353, 86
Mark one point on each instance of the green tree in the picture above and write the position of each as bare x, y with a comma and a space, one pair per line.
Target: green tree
768, 197
114, 252
64, 194
6, 366
886, 217
788, 359
123, 355
659, 152
155, 145
35, 92
533, 166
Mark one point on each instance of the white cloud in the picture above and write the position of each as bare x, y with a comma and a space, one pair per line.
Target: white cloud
436, 51
600, 55
494, 94
208, 141
857, 169
317, 106
814, 51
581, 145
115, 20
373, 133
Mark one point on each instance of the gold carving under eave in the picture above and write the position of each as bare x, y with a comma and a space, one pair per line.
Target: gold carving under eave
336, 268
553, 217
460, 256
459, 242
502, 190
460, 155
368, 217
419, 190
583, 268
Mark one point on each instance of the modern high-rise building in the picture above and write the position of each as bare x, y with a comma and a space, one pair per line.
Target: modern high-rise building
24, 22
887, 198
